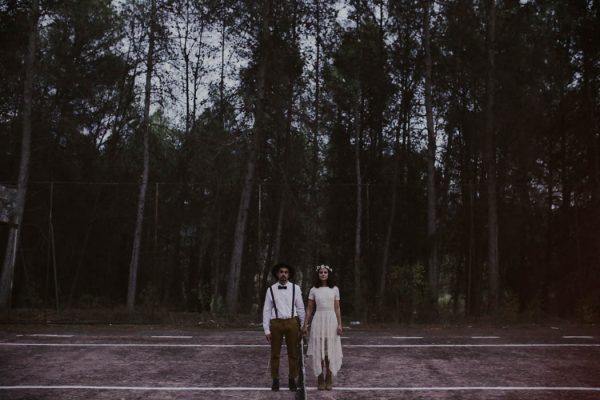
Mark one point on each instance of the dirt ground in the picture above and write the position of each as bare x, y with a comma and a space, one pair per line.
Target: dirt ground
161, 362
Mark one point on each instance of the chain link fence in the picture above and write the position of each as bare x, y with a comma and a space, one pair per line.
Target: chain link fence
76, 244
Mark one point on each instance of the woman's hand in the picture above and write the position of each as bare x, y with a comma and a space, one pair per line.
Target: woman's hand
305, 330
339, 330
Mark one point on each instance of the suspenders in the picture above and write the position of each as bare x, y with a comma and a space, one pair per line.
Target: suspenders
293, 300
273, 298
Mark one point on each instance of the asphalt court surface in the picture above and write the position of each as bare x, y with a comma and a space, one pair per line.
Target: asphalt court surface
157, 362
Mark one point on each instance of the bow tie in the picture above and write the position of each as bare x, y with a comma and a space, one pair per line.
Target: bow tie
281, 287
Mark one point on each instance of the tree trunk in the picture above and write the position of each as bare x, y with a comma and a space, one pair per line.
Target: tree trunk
490, 164
125, 89
315, 139
274, 250
8, 268
358, 225
196, 80
137, 238
235, 266
404, 127
186, 59
283, 170
275, 244
279, 228
388, 233
216, 273
431, 193
222, 78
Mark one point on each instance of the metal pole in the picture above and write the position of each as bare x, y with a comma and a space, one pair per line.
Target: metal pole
156, 263
49, 251
259, 258
53, 245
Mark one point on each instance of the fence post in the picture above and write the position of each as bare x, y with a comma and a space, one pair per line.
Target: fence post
52, 244
156, 195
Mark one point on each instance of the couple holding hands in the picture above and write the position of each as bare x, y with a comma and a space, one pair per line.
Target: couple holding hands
284, 317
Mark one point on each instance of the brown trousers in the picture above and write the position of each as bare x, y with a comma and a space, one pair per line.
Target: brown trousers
290, 329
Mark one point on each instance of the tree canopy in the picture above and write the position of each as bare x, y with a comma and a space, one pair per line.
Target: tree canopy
442, 156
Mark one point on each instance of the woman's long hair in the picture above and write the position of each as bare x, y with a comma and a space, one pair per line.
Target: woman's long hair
317, 281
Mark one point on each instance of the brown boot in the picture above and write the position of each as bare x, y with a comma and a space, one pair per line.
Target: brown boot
321, 382
329, 380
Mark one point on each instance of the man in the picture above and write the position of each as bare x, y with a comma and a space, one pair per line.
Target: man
283, 315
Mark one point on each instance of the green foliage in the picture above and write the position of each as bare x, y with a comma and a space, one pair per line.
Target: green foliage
89, 301
408, 289
589, 309
150, 297
510, 309
86, 125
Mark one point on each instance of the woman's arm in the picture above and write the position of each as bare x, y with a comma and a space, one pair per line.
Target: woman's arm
338, 315
309, 311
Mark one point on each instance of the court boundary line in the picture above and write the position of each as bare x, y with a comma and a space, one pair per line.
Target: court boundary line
577, 337
383, 346
171, 337
339, 388
475, 388
408, 337
53, 335
14, 344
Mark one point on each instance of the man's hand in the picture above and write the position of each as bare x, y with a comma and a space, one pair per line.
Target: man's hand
268, 337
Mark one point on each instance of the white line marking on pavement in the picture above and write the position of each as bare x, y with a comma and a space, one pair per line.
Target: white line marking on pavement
49, 335
471, 388
407, 337
383, 346
130, 345
577, 337
485, 337
171, 337
474, 345
352, 389
154, 388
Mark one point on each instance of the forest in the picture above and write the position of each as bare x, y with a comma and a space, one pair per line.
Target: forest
442, 156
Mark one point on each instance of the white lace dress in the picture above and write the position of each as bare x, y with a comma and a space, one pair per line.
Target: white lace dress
323, 339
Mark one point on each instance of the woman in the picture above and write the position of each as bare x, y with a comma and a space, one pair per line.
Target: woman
324, 344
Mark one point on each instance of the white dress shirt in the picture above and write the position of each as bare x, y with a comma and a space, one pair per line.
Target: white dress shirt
283, 301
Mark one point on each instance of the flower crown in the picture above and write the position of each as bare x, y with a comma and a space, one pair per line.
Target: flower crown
327, 267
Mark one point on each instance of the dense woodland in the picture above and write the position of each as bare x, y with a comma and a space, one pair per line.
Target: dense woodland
443, 156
